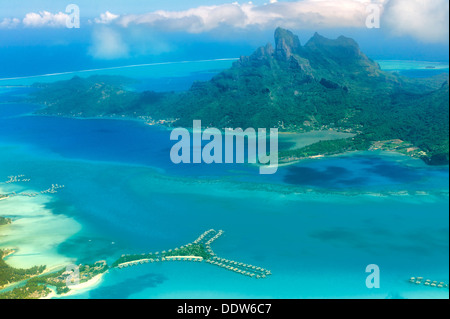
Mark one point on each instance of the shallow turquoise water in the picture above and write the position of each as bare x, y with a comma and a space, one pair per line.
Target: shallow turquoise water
167, 76
316, 225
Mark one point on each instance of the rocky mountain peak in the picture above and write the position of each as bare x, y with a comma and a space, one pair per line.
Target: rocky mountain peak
286, 43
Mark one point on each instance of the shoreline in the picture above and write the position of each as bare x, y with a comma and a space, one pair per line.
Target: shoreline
80, 288
74, 290
45, 272
325, 156
286, 134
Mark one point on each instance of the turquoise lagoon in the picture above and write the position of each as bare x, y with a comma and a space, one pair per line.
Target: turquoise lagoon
316, 224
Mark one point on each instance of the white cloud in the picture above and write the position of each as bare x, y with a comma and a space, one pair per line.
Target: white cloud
106, 18
8, 23
426, 20
45, 19
107, 44
300, 14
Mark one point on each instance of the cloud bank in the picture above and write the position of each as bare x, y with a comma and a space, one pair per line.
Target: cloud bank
300, 14
45, 19
8, 23
106, 18
425, 20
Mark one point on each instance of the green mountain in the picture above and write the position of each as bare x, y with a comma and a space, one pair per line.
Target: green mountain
321, 85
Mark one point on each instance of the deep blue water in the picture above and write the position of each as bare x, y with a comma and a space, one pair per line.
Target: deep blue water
133, 142
422, 73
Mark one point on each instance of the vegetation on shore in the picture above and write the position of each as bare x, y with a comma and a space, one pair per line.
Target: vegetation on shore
323, 148
358, 143
31, 290
38, 286
197, 250
5, 221
10, 275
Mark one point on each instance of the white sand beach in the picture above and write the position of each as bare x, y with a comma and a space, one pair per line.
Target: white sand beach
80, 288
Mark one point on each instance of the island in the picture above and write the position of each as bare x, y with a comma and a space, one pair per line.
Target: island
325, 84
5, 221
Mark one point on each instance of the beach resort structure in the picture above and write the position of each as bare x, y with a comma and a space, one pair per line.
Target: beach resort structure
16, 179
428, 282
198, 251
21, 178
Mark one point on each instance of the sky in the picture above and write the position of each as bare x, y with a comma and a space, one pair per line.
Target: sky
34, 35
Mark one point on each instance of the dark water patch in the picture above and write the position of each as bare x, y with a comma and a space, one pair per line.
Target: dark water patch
128, 287
284, 145
9, 110
396, 173
415, 242
425, 73
337, 235
432, 239
59, 207
89, 249
330, 176
356, 171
